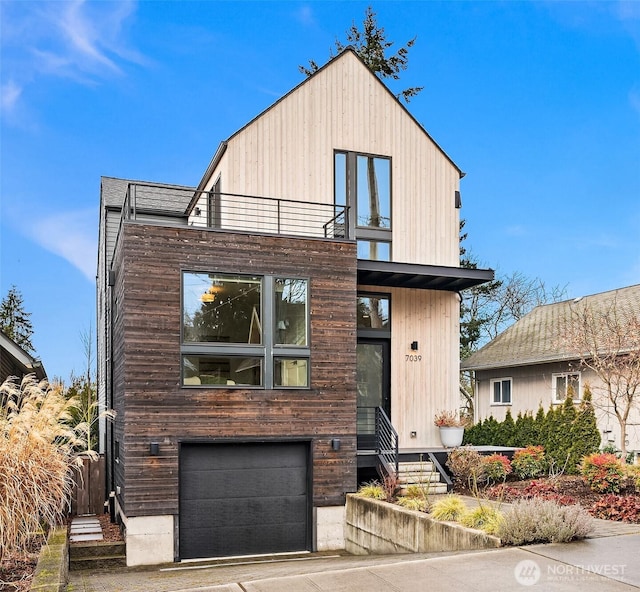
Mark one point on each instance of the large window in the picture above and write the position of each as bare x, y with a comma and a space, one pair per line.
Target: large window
564, 384
363, 182
501, 391
240, 330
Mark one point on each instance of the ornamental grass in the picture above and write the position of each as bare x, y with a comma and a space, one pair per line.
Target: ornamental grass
37, 450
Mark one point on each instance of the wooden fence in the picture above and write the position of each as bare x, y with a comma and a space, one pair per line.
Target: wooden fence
88, 490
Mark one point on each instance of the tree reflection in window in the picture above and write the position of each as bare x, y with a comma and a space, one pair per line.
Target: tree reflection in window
222, 308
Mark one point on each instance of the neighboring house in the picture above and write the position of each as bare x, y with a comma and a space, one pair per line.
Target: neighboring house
253, 327
532, 364
14, 361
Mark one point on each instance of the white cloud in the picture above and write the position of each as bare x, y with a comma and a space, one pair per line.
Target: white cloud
82, 41
516, 230
66, 234
305, 15
10, 94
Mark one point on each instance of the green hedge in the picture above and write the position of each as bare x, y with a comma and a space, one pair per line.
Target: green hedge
568, 433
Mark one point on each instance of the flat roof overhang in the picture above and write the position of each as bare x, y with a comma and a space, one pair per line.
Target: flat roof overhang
422, 277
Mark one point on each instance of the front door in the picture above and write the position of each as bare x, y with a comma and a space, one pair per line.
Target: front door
374, 387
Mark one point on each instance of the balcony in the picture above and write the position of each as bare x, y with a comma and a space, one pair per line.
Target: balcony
175, 205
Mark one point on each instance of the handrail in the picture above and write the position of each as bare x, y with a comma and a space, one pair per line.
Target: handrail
235, 211
386, 444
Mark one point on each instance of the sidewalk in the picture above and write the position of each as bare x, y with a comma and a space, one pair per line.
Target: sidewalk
609, 562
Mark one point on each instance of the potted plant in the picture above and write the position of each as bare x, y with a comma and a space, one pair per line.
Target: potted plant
451, 426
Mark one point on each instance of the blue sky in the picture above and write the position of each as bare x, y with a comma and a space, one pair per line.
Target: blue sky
538, 102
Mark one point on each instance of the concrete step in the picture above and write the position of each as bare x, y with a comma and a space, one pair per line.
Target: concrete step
416, 467
91, 563
96, 555
431, 489
422, 478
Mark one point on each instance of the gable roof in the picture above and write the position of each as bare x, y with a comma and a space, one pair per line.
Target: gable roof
347, 51
16, 360
537, 337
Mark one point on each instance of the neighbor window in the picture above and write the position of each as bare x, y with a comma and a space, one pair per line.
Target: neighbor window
564, 384
501, 391
233, 324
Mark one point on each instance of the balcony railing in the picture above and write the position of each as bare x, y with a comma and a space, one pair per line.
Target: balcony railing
229, 211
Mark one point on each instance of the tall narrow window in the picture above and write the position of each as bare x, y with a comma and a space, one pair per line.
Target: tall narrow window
374, 192
363, 183
291, 312
213, 206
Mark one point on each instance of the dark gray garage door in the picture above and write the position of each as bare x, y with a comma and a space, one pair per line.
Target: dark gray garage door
243, 499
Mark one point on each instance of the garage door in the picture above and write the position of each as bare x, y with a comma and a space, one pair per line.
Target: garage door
243, 499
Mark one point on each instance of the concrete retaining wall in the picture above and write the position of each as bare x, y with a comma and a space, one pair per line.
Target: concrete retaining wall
375, 527
52, 571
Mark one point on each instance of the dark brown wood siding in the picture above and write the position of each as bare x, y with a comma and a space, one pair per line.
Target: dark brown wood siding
152, 405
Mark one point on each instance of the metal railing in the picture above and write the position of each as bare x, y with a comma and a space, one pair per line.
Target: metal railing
386, 444
232, 211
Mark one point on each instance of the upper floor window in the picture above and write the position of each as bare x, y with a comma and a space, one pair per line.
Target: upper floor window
564, 384
363, 183
242, 330
373, 184
222, 308
501, 391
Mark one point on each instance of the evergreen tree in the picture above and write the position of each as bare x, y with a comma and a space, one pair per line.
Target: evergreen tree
506, 431
539, 426
371, 45
525, 431
585, 436
14, 320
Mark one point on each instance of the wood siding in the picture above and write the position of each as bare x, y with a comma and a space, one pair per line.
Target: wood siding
531, 387
287, 152
152, 405
421, 388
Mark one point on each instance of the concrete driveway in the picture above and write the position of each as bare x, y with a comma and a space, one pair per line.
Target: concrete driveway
607, 563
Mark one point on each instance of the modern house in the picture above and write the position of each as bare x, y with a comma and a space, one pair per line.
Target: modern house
15, 361
261, 332
533, 364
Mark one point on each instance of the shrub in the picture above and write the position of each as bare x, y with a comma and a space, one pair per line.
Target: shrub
466, 466
413, 503
632, 474
603, 472
372, 490
448, 508
483, 517
542, 521
496, 467
529, 462
622, 508
36, 456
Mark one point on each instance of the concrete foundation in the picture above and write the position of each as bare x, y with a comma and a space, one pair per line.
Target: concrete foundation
330, 523
375, 527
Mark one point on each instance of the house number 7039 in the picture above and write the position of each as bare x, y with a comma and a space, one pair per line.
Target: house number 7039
412, 358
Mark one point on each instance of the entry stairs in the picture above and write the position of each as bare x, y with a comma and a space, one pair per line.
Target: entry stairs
422, 473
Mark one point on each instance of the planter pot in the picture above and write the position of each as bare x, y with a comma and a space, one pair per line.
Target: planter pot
451, 437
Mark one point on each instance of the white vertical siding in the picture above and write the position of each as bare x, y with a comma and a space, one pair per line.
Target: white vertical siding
288, 153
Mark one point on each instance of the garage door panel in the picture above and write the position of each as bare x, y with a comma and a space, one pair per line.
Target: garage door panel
240, 499
267, 511
242, 540
239, 483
